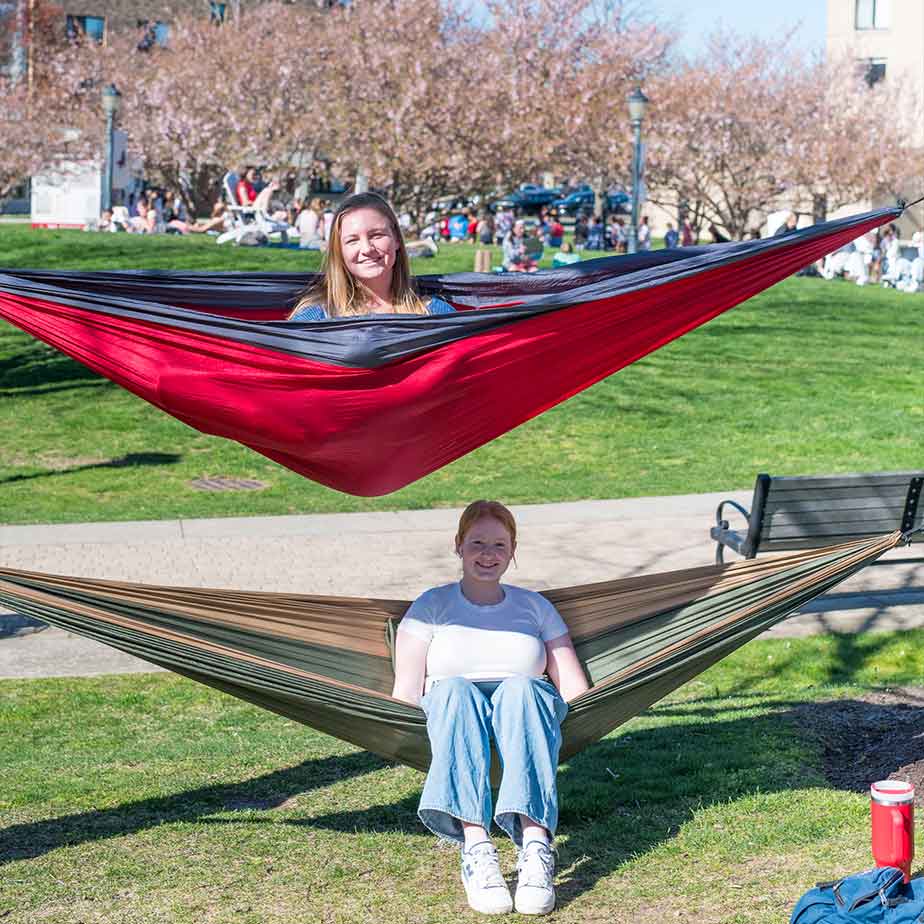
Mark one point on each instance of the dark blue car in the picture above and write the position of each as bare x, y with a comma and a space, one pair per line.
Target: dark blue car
582, 200
530, 196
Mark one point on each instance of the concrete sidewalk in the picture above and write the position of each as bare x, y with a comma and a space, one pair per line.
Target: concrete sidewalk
399, 555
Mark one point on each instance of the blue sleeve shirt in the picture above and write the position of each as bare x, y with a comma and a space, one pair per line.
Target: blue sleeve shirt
318, 312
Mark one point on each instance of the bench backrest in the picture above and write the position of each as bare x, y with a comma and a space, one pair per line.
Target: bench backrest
799, 513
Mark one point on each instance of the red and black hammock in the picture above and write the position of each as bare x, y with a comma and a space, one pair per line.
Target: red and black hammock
367, 406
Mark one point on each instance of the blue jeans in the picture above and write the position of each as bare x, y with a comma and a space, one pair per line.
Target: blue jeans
523, 716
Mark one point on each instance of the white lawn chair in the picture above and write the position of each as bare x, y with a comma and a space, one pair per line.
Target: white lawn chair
914, 282
247, 221
898, 271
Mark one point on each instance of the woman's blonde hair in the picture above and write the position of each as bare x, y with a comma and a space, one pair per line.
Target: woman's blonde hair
485, 508
336, 288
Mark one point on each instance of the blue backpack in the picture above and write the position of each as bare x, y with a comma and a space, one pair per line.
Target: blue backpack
875, 896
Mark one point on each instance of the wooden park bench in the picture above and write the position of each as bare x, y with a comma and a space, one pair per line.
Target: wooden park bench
807, 512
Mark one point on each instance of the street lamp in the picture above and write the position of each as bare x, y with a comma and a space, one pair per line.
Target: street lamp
111, 100
638, 103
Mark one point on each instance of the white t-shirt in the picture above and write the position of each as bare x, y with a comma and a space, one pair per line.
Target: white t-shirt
483, 642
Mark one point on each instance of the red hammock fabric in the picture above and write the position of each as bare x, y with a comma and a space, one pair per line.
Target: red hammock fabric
369, 406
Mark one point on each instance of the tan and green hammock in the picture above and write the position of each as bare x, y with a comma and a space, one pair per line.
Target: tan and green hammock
326, 661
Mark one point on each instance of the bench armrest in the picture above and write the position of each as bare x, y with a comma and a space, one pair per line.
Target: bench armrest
724, 536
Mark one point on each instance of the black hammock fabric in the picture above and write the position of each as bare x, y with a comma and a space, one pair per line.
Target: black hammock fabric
368, 405
326, 661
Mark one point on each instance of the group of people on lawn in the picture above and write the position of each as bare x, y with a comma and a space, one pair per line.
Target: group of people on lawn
879, 257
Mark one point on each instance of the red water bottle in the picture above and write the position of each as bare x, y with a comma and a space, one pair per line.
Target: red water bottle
892, 814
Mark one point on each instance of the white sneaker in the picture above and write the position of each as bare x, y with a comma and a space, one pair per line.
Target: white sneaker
484, 885
536, 882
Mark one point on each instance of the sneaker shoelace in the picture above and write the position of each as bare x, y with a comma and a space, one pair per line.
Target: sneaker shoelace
536, 865
485, 867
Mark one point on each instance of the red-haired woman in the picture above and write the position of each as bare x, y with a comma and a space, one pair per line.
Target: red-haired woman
475, 654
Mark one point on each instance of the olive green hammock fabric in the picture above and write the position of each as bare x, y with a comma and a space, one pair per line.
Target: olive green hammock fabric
326, 661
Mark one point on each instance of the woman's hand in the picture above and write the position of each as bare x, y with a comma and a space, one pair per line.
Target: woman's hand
410, 667
564, 668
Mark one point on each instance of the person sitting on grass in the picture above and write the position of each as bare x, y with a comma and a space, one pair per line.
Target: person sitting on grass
474, 655
264, 203
566, 255
518, 249
105, 222
213, 225
366, 269
310, 225
245, 191
145, 222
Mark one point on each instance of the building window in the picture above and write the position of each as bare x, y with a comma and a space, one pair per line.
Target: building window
873, 14
873, 70
93, 27
217, 12
151, 34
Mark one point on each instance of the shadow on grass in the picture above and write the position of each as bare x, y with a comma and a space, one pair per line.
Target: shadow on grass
853, 653
620, 798
131, 460
34, 839
32, 370
664, 775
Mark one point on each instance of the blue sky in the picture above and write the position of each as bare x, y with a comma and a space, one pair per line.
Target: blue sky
766, 18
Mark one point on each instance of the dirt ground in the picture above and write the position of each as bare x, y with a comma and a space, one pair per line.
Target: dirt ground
874, 736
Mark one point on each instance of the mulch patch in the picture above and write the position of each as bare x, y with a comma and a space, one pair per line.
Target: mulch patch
869, 737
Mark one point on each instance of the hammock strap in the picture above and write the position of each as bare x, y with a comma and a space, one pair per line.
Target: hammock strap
907, 205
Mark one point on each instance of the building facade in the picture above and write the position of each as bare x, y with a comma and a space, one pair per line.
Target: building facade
884, 37
98, 19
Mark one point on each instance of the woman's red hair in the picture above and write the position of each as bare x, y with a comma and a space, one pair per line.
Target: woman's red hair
485, 508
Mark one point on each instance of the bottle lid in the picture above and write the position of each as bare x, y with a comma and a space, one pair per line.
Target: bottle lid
892, 792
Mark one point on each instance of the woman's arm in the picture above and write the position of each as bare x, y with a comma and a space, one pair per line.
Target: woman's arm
564, 668
410, 667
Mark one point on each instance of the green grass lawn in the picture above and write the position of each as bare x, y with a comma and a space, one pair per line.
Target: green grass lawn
148, 798
807, 378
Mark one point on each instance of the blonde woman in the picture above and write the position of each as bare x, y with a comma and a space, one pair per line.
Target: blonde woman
487, 662
366, 269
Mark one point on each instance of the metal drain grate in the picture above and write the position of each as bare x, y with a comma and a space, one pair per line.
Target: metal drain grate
222, 483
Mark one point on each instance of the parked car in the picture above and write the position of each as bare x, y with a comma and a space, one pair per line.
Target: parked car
527, 197
18, 202
576, 202
582, 201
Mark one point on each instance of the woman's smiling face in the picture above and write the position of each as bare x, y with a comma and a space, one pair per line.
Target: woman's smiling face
368, 246
486, 550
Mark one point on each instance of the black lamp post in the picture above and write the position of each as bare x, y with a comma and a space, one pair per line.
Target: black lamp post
111, 100
638, 103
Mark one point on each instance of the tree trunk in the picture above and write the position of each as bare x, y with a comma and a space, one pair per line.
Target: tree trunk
599, 197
